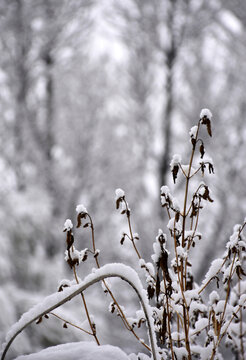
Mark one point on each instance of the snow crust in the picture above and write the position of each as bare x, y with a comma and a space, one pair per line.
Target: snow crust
78, 351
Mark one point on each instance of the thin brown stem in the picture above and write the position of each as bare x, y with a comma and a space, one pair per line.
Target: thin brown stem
241, 322
86, 309
168, 318
224, 310
70, 323
208, 282
121, 313
128, 214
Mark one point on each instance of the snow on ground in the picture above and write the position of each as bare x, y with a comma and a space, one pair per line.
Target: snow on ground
78, 351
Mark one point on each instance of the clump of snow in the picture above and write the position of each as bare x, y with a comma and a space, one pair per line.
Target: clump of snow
219, 307
176, 160
236, 239
180, 352
213, 270
157, 252
191, 295
68, 225
213, 297
139, 356
196, 306
76, 255
181, 252
65, 283
173, 224
204, 352
78, 351
175, 204
242, 300
119, 193
81, 209
165, 190
207, 113
201, 324
193, 131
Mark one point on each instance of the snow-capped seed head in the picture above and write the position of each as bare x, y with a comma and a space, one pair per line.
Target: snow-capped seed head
119, 193
175, 160
213, 297
165, 190
68, 225
193, 131
206, 113
81, 209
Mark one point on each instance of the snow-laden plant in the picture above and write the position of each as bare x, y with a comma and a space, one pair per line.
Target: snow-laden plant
182, 323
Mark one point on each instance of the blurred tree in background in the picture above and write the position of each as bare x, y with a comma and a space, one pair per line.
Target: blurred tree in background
96, 95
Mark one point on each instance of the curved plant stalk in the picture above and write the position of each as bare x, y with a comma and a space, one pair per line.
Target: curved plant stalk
121, 313
111, 270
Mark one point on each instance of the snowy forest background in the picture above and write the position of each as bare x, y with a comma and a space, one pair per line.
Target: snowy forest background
97, 95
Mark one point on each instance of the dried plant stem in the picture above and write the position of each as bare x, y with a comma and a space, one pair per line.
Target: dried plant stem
187, 187
86, 309
128, 214
185, 307
241, 322
229, 323
208, 282
121, 313
224, 310
189, 244
183, 271
168, 318
70, 323
103, 274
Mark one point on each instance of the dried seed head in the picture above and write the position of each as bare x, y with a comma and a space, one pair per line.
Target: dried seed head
68, 225
205, 117
81, 209
206, 113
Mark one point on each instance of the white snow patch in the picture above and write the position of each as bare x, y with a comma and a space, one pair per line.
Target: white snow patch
207, 113
81, 209
213, 270
180, 352
68, 225
213, 297
175, 160
193, 131
78, 351
119, 193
